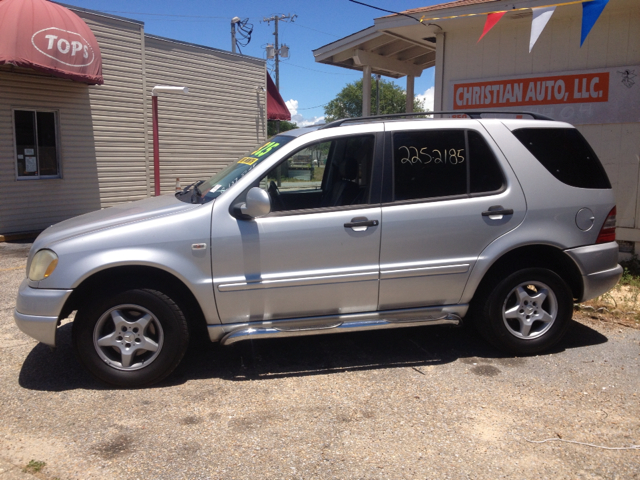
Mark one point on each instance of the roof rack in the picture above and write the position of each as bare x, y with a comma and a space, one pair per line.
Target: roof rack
469, 113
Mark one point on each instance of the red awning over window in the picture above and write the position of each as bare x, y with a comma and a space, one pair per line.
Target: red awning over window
276, 108
50, 38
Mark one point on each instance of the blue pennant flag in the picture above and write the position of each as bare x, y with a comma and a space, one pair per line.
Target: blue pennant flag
590, 13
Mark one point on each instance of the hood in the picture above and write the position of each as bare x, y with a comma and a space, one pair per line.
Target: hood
111, 217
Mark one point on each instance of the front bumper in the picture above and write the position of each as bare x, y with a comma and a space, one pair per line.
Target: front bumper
599, 267
37, 311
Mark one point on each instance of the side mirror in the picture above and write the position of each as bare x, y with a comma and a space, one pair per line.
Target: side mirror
257, 204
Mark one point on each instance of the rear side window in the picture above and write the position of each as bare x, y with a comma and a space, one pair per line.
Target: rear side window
484, 171
566, 155
443, 163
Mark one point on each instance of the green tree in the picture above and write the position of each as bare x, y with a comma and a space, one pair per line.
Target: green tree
348, 103
284, 126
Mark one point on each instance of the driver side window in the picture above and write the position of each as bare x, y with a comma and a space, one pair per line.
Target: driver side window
331, 173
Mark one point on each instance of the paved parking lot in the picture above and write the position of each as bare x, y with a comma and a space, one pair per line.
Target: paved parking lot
431, 402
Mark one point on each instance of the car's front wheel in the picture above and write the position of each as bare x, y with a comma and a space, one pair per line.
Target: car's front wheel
526, 312
131, 339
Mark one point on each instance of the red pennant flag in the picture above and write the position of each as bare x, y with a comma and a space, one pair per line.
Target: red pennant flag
492, 19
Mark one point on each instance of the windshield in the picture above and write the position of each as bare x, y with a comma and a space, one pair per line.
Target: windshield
214, 187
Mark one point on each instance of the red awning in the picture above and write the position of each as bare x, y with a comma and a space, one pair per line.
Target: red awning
276, 108
50, 38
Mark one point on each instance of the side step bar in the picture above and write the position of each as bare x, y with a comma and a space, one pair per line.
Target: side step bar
232, 333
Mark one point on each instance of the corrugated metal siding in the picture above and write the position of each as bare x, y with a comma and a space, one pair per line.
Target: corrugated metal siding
220, 119
105, 137
101, 134
504, 51
35, 204
118, 111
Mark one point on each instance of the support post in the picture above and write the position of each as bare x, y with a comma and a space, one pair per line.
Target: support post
378, 94
438, 103
156, 146
366, 90
156, 142
410, 88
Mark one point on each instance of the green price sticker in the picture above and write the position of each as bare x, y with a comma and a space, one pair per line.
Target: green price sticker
266, 148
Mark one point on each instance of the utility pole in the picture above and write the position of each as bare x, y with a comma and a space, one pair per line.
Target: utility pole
234, 21
243, 29
277, 51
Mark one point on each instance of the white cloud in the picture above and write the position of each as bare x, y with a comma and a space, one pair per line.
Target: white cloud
292, 105
427, 98
305, 122
298, 119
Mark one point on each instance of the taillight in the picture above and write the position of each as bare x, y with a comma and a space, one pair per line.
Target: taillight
608, 230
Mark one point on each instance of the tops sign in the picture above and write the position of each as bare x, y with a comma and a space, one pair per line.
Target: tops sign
47, 37
596, 96
68, 48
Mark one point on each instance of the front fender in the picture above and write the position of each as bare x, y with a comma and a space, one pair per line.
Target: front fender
179, 246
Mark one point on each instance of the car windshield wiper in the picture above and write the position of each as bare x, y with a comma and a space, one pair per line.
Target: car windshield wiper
196, 195
196, 185
188, 187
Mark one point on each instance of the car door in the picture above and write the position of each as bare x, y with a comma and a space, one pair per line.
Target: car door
448, 194
317, 252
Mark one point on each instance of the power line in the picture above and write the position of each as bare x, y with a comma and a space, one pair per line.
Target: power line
388, 11
202, 18
316, 30
184, 20
159, 14
314, 70
242, 29
309, 108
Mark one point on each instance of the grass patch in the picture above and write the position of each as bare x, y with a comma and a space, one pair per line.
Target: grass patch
34, 466
631, 274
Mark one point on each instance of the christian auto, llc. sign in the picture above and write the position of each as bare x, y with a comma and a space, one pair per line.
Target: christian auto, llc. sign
609, 95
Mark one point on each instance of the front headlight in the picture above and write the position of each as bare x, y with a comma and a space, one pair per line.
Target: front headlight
43, 264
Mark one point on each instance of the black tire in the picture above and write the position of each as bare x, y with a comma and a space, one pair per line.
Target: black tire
132, 338
525, 313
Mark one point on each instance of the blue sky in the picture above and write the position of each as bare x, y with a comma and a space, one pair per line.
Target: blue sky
304, 84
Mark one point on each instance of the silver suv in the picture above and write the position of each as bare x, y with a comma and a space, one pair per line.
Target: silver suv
359, 224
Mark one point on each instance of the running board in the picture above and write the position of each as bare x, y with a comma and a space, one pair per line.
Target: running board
415, 317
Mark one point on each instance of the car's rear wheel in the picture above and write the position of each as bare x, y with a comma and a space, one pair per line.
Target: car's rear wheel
526, 312
131, 339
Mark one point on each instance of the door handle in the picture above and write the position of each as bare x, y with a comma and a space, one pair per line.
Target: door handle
361, 223
497, 211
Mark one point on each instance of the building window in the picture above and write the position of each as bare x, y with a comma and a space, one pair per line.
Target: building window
36, 144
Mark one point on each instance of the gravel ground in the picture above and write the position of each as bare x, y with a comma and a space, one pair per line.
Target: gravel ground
431, 402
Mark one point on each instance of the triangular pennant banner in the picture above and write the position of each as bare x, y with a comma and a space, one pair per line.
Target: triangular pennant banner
591, 11
541, 17
492, 19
